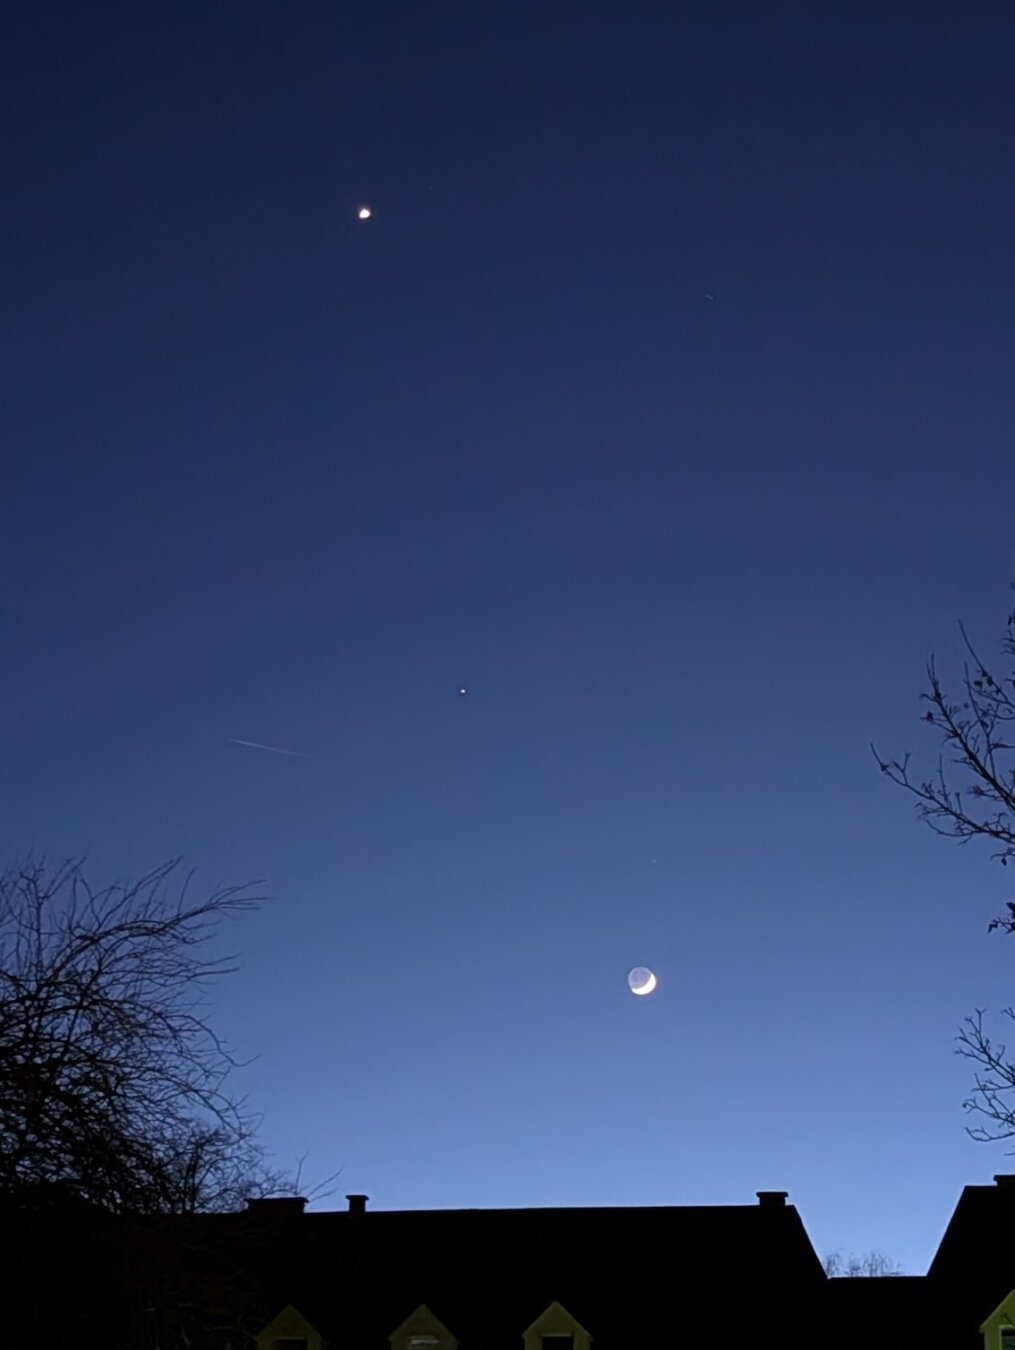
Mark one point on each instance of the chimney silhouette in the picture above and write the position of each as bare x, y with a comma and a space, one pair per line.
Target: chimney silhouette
357, 1203
771, 1199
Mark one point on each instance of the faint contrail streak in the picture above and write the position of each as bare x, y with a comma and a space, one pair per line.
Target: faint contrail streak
272, 749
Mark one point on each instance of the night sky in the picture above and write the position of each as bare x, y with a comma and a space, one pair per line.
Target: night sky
665, 405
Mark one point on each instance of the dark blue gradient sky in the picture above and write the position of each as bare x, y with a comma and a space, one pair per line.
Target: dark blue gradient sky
272, 474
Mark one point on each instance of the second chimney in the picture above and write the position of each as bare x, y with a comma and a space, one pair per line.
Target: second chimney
771, 1199
357, 1203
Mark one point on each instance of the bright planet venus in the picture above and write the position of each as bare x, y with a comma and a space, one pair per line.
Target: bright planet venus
641, 981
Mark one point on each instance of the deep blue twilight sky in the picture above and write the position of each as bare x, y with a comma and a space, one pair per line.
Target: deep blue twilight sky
666, 404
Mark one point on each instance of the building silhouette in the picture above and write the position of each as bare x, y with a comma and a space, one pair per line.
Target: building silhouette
277, 1277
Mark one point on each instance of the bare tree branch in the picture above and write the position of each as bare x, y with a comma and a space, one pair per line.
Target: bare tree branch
113, 1103
976, 732
870, 1265
979, 733
995, 1079
111, 1081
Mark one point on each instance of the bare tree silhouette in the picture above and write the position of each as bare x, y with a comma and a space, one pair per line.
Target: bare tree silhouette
117, 1134
869, 1265
979, 731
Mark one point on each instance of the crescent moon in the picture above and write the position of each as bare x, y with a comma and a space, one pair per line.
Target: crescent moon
642, 989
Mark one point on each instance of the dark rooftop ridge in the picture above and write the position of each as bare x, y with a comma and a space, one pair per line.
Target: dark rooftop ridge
277, 1204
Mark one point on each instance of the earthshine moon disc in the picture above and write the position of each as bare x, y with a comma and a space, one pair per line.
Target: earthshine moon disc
641, 981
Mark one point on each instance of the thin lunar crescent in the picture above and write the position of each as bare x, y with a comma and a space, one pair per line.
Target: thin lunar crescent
641, 981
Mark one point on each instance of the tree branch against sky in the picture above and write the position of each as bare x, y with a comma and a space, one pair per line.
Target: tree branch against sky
112, 1085
113, 1101
869, 1265
982, 749
978, 747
